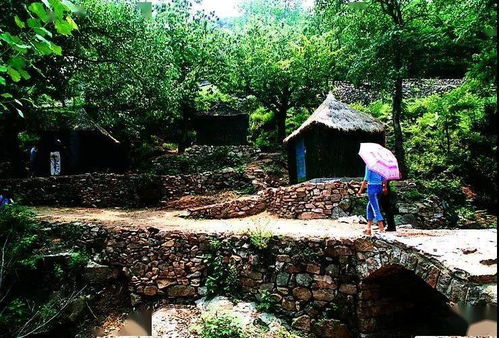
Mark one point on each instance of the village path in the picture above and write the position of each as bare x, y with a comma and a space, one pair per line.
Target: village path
471, 251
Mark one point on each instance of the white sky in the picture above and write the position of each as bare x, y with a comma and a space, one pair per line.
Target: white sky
227, 8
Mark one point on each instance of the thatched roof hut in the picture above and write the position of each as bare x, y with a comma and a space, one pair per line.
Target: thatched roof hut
221, 125
327, 143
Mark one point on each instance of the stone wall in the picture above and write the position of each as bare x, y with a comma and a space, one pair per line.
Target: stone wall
365, 94
117, 190
318, 284
232, 209
313, 200
207, 150
338, 198
329, 199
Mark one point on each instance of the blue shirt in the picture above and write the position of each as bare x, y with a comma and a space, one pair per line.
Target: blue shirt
373, 178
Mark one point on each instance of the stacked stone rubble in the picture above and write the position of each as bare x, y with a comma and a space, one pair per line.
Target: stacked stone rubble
313, 200
120, 190
232, 209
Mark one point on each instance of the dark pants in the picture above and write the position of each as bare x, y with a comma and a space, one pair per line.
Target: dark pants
387, 206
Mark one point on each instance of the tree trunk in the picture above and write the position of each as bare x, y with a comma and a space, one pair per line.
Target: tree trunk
11, 148
397, 129
184, 128
281, 125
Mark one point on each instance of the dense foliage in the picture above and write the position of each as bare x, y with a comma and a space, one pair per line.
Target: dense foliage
39, 274
451, 138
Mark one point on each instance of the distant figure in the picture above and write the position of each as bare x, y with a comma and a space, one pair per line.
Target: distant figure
375, 184
33, 155
386, 201
55, 159
5, 199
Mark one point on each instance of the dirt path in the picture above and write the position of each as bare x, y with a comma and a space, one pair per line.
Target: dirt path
169, 220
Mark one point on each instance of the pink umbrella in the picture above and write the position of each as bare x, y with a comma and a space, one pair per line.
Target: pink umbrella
380, 160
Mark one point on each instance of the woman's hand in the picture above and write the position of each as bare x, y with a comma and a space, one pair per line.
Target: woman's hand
359, 193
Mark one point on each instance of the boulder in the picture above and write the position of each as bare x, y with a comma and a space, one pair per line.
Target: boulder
330, 328
301, 323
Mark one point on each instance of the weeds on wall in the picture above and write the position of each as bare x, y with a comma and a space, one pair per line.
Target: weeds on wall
266, 302
222, 277
260, 239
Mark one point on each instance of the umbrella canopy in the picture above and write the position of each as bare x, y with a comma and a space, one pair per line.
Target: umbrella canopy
380, 160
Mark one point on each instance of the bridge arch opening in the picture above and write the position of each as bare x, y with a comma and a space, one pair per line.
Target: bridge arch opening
395, 302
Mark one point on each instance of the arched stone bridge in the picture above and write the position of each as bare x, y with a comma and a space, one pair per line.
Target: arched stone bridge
326, 277
460, 264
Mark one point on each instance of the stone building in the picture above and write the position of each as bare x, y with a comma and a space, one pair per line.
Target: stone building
221, 125
328, 142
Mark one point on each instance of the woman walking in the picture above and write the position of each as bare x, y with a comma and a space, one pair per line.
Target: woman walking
381, 166
375, 185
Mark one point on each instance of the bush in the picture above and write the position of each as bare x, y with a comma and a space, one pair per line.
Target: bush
220, 158
266, 302
221, 325
33, 289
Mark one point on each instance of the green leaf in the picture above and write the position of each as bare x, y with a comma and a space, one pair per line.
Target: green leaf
14, 74
7, 37
41, 38
58, 7
24, 74
17, 62
6, 95
63, 27
71, 22
3, 68
2, 80
20, 112
42, 31
34, 23
70, 5
21, 48
19, 22
43, 48
56, 49
39, 9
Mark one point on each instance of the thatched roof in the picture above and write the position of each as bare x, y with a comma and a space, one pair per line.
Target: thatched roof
340, 116
72, 119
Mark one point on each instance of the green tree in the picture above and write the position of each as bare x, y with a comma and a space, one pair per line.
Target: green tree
27, 30
281, 65
192, 40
